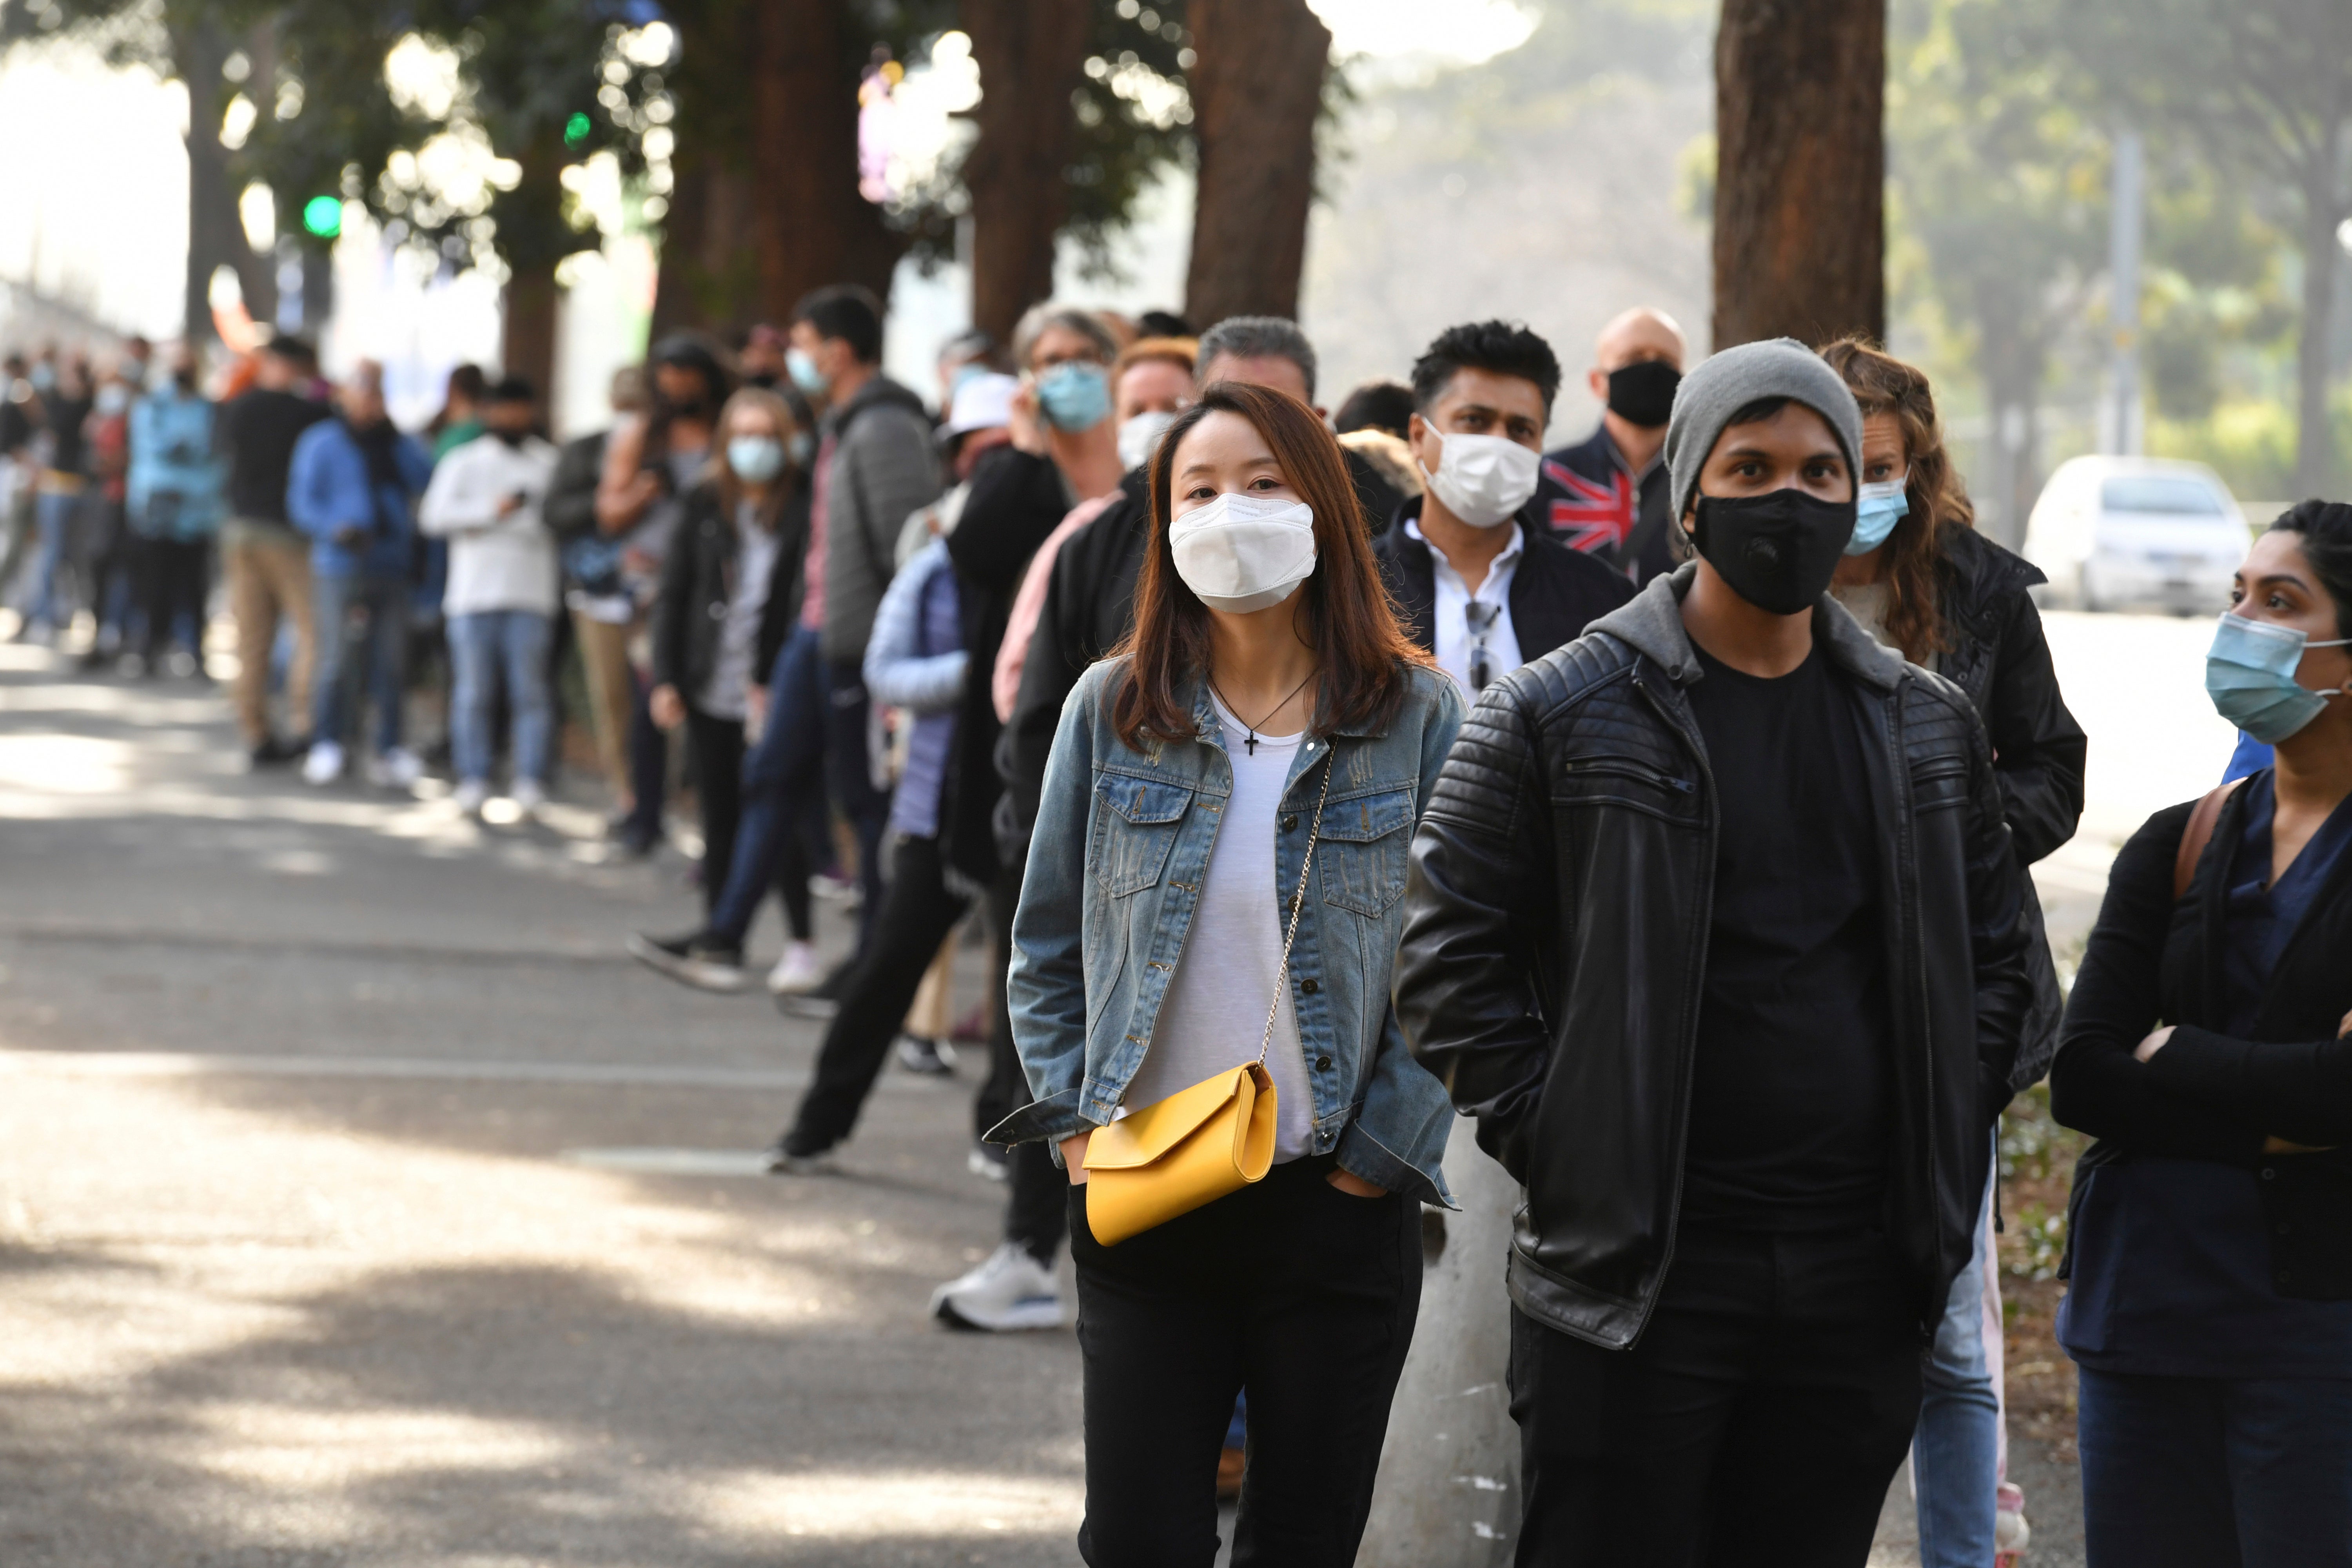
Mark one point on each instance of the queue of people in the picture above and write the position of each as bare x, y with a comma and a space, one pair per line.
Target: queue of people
1663, 805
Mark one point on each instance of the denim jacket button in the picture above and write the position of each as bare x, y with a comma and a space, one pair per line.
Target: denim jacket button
1289, 821
1322, 1064
1310, 986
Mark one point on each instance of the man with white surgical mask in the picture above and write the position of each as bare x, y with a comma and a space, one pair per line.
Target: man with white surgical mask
1476, 580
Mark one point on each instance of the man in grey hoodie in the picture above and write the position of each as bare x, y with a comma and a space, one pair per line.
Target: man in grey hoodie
875, 465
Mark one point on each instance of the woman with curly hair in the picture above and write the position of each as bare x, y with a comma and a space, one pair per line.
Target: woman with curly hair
1925, 582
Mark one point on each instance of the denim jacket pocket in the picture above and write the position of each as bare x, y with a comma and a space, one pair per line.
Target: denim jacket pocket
1134, 830
1364, 842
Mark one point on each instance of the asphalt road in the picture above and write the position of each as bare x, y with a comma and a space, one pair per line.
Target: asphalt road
359, 1204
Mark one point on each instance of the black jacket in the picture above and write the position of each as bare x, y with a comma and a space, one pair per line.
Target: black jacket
1016, 498
699, 580
1999, 655
1556, 591
1555, 942
2002, 659
570, 508
2205, 1095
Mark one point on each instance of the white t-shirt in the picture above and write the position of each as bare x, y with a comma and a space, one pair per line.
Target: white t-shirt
1215, 1010
1457, 642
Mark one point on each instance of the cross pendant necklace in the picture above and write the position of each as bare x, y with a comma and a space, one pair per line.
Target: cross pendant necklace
1250, 743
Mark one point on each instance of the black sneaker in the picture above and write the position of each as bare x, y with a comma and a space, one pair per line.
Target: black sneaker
927, 1057
696, 958
788, 1158
274, 752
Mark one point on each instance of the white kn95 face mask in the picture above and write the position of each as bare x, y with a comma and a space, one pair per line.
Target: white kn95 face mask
1241, 552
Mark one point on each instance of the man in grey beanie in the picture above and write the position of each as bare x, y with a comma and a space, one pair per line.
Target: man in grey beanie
1712, 924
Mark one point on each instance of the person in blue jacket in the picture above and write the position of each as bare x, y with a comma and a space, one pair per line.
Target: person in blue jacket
352, 489
174, 508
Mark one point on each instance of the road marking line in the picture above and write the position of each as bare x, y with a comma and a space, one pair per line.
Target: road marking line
627, 1075
674, 1162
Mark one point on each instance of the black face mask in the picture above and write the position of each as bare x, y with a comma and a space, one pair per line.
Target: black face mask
511, 438
186, 380
691, 409
1778, 550
1642, 393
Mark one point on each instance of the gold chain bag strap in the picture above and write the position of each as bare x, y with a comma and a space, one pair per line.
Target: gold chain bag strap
1200, 1143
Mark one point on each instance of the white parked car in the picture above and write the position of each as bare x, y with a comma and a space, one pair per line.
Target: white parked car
2112, 532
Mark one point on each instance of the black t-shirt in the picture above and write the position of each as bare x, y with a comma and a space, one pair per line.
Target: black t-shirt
1790, 1097
256, 431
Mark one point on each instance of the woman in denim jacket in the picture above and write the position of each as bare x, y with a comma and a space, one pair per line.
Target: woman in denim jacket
1266, 674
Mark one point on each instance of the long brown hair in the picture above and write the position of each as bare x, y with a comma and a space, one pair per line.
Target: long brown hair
721, 473
1882, 384
1347, 619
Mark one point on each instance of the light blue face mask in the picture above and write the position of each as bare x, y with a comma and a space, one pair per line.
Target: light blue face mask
1075, 396
756, 459
2249, 676
1877, 511
805, 373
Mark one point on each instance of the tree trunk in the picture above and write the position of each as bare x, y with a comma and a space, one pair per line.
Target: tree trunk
1801, 176
1257, 87
810, 226
215, 233
527, 344
2314, 438
709, 277
1032, 55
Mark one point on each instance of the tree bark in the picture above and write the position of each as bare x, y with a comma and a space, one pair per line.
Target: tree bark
215, 231
1801, 176
2313, 438
527, 343
1032, 55
709, 277
810, 226
1257, 87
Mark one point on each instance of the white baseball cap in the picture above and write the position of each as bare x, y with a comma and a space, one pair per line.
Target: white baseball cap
981, 403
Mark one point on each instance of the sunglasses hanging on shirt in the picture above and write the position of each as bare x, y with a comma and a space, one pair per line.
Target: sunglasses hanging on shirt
1482, 621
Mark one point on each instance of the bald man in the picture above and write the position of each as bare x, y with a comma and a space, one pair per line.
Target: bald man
1607, 495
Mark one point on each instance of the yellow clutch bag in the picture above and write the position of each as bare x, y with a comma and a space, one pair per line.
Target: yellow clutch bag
1200, 1143
1177, 1153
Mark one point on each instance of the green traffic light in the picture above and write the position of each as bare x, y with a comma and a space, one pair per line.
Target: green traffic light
576, 129
323, 217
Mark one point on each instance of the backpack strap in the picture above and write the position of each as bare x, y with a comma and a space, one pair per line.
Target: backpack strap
2198, 833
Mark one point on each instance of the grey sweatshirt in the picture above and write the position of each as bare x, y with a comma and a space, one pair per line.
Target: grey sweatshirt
883, 468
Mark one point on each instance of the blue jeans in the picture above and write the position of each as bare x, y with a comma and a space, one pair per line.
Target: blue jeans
1955, 1453
483, 646
372, 657
53, 517
2194, 1472
784, 797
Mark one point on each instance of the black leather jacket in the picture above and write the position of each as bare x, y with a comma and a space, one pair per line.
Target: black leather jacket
1556, 937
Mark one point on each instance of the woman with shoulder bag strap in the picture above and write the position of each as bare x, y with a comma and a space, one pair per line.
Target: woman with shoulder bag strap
1200, 992
2205, 1046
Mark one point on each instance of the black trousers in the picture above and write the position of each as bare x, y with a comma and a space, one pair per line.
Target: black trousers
172, 576
717, 746
1036, 1206
915, 915
1760, 1418
850, 779
1291, 1288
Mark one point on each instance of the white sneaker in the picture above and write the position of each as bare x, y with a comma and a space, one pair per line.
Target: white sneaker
469, 796
529, 795
396, 769
324, 765
1010, 1291
796, 972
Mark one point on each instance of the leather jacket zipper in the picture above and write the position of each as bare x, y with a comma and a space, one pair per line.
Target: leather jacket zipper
1693, 979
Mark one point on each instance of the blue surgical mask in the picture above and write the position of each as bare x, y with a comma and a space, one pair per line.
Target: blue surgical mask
1877, 511
805, 373
1075, 396
756, 459
2249, 676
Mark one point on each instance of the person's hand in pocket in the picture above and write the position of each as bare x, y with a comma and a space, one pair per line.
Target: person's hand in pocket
1073, 1155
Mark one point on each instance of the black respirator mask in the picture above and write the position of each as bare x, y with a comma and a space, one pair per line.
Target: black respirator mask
1643, 393
1778, 550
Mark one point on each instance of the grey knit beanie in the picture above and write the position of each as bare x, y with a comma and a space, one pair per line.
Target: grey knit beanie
1728, 382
